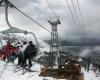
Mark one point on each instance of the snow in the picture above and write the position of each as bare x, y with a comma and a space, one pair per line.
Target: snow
7, 73
91, 75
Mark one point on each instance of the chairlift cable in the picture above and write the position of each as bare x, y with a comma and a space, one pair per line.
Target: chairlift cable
80, 27
81, 18
73, 17
29, 17
6, 16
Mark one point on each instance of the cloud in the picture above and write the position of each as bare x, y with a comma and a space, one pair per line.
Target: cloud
40, 11
85, 52
93, 51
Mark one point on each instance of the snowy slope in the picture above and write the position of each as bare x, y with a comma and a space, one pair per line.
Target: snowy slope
90, 75
7, 73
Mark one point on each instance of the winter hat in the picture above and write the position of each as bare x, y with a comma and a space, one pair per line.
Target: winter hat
30, 42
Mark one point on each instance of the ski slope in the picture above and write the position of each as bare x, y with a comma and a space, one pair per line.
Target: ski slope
7, 72
91, 75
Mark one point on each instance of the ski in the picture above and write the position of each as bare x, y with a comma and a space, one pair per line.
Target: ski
19, 69
27, 70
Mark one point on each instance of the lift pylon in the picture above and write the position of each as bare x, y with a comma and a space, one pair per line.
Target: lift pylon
54, 46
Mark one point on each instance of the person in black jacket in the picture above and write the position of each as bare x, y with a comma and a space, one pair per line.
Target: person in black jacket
30, 52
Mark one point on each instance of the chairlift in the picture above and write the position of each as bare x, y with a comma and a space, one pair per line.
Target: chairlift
13, 29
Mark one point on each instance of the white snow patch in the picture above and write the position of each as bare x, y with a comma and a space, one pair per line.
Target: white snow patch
90, 75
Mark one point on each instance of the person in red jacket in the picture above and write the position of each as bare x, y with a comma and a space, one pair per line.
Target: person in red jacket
8, 51
4, 55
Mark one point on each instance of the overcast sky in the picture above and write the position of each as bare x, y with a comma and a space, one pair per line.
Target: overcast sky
41, 12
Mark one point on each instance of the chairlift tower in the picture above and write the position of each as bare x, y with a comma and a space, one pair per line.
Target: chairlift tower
54, 46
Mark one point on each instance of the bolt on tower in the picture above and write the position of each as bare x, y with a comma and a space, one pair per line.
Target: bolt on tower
54, 46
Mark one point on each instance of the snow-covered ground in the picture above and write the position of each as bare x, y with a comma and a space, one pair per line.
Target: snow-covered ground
91, 75
8, 72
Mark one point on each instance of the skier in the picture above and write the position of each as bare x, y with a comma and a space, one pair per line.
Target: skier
21, 54
88, 63
8, 51
30, 52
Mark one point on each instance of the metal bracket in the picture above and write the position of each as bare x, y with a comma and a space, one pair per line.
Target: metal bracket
4, 2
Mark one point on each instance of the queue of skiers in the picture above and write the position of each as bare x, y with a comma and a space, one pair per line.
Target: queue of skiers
24, 53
